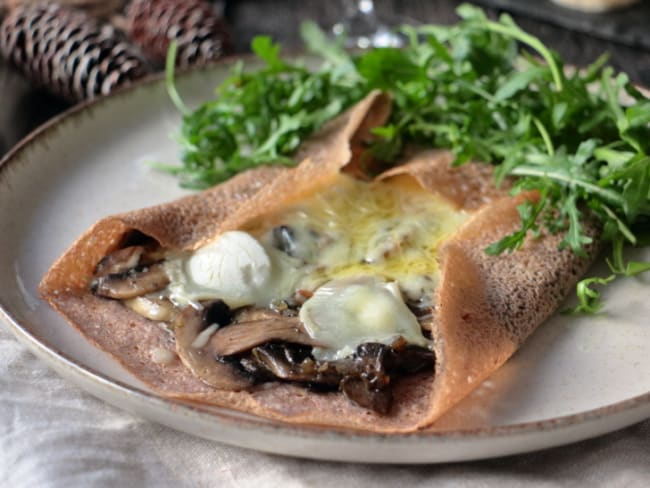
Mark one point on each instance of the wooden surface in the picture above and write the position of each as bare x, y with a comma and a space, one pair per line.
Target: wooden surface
22, 107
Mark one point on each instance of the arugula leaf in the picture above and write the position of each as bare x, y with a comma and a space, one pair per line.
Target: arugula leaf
384, 67
269, 51
170, 64
588, 297
617, 263
484, 89
520, 80
259, 117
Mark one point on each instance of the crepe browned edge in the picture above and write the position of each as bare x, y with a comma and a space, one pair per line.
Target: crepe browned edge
486, 305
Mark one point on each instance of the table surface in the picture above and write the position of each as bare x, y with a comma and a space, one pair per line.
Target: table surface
139, 452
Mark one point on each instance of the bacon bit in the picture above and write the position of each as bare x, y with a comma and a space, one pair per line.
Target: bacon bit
301, 296
305, 293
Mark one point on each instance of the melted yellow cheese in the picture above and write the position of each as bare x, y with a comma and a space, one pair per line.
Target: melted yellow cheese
388, 229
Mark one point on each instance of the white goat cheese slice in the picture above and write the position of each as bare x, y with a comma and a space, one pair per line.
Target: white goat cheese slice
345, 313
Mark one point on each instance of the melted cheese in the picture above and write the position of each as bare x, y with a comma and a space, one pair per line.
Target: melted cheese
390, 230
344, 314
350, 245
234, 268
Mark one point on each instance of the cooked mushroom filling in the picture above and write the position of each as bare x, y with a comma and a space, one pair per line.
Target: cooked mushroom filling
334, 292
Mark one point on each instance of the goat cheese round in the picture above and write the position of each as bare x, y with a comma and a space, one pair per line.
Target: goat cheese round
343, 314
235, 268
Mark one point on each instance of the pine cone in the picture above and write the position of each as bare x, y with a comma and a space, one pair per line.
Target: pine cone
200, 33
67, 51
96, 8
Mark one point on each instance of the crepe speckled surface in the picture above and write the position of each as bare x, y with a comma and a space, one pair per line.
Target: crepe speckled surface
486, 305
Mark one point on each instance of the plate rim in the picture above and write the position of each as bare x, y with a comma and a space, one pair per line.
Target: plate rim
639, 404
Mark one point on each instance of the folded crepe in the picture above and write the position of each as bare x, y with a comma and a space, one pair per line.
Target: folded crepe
485, 306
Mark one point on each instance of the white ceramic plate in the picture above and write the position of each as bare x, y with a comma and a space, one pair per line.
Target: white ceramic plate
577, 377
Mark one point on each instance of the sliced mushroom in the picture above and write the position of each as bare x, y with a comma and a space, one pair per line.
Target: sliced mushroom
412, 359
155, 309
250, 314
364, 378
284, 239
369, 383
277, 359
153, 254
135, 282
120, 261
200, 360
216, 312
424, 312
244, 336
357, 390
297, 242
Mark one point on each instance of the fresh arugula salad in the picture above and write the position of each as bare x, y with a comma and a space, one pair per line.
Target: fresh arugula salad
484, 89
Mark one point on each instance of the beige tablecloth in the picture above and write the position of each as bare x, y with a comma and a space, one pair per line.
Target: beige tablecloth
52, 434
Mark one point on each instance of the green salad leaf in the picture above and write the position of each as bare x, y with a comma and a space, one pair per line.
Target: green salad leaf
484, 89
258, 117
